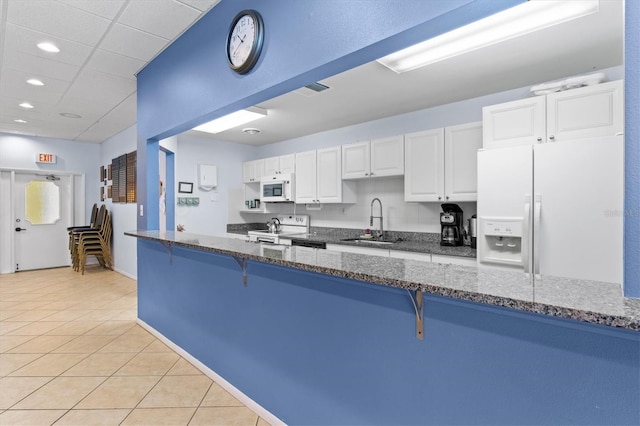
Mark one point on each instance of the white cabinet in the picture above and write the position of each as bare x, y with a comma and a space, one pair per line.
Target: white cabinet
319, 177
252, 171
454, 260
279, 165
586, 112
424, 170
379, 157
440, 164
461, 145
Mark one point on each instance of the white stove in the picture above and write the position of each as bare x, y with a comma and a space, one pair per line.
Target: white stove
290, 226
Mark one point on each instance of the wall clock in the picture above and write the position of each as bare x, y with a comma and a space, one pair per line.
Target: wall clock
244, 42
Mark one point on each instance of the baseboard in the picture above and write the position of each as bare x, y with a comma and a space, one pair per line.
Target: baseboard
248, 402
126, 274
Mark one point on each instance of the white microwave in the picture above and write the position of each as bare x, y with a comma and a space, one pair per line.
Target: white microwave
277, 188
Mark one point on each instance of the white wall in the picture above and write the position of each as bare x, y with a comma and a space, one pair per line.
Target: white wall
123, 215
210, 217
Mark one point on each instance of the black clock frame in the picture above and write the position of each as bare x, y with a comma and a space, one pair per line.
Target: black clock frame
258, 41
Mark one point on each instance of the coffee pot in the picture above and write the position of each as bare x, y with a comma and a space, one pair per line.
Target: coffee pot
451, 225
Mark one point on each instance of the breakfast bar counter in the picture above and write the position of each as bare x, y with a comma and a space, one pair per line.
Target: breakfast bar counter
312, 336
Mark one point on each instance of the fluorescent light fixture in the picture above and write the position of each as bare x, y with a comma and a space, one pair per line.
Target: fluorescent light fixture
48, 47
522, 19
21, 121
35, 82
232, 120
26, 105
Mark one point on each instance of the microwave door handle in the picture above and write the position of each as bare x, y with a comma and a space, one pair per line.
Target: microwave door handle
536, 236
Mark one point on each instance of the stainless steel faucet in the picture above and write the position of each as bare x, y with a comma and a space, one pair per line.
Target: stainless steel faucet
380, 234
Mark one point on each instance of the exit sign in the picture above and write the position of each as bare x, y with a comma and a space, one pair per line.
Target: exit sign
45, 158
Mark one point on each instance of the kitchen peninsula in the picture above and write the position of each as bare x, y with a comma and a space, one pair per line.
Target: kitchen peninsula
317, 336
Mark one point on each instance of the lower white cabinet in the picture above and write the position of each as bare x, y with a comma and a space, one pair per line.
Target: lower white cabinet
454, 260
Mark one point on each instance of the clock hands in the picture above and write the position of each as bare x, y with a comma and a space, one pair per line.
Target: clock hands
239, 45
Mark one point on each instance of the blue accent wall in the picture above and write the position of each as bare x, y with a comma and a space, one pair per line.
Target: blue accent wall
632, 148
314, 349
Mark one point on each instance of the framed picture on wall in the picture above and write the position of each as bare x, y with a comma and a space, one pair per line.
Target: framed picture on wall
109, 191
101, 173
109, 173
185, 187
102, 193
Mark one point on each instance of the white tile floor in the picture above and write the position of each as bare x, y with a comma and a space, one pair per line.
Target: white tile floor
71, 353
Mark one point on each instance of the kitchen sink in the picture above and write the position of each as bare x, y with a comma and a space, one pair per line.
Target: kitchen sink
368, 241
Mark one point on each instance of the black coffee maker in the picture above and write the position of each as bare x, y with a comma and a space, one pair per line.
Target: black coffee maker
451, 224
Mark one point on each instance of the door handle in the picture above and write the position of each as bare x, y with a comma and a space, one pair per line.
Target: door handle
536, 235
18, 229
526, 259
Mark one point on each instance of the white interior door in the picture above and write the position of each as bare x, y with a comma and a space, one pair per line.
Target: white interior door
42, 214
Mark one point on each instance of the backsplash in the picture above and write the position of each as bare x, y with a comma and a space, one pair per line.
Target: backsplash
398, 214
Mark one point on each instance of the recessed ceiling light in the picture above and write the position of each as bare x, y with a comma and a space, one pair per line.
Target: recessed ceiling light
26, 105
35, 82
232, 120
251, 130
20, 121
70, 115
48, 47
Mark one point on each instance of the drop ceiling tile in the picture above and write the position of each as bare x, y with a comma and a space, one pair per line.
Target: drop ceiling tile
134, 43
114, 64
96, 86
58, 19
107, 9
17, 60
88, 109
25, 40
14, 83
164, 18
201, 5
98, 133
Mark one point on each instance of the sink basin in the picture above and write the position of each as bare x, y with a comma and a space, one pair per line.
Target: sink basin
368, 241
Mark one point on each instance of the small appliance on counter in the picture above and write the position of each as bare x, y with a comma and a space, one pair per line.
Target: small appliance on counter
282, 226
451, 225
473, 230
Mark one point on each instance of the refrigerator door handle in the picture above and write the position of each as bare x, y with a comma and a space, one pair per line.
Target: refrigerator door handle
526, 259
536, 236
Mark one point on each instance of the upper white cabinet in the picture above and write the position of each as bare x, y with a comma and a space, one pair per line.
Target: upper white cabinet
440, 164
377, 158
279, 165
252, 171
319, 177
586, 112
461, 145
424, 165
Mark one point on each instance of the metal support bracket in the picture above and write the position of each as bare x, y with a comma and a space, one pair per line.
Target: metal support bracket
418, 302
169, 248
242, 263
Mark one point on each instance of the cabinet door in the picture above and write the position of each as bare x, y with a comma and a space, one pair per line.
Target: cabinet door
387, 156
461, 145
306, 176
248, 171
288, 163
424, 166
587, 112
258, 168
356, 160
520, 122
329, 172
271, 166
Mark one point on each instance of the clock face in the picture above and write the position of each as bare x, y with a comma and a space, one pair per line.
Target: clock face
245, 41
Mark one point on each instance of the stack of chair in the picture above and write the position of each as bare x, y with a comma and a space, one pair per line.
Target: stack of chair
92, 223
92, 241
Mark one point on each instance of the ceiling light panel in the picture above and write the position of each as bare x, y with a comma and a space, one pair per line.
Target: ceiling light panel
58, 19
233, 120
35, 82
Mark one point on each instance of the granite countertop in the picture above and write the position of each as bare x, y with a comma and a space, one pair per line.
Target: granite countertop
580, 300
406, 241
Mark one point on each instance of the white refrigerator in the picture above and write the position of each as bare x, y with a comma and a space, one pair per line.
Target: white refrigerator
553, 209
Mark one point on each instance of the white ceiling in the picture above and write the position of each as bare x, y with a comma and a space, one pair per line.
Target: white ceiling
104, 43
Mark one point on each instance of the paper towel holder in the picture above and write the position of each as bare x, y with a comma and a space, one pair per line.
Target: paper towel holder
207, 177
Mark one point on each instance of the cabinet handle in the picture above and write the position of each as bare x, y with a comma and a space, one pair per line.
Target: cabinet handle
539, 139
366, 174
439, 198
447, 197
371, 174
552, 137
